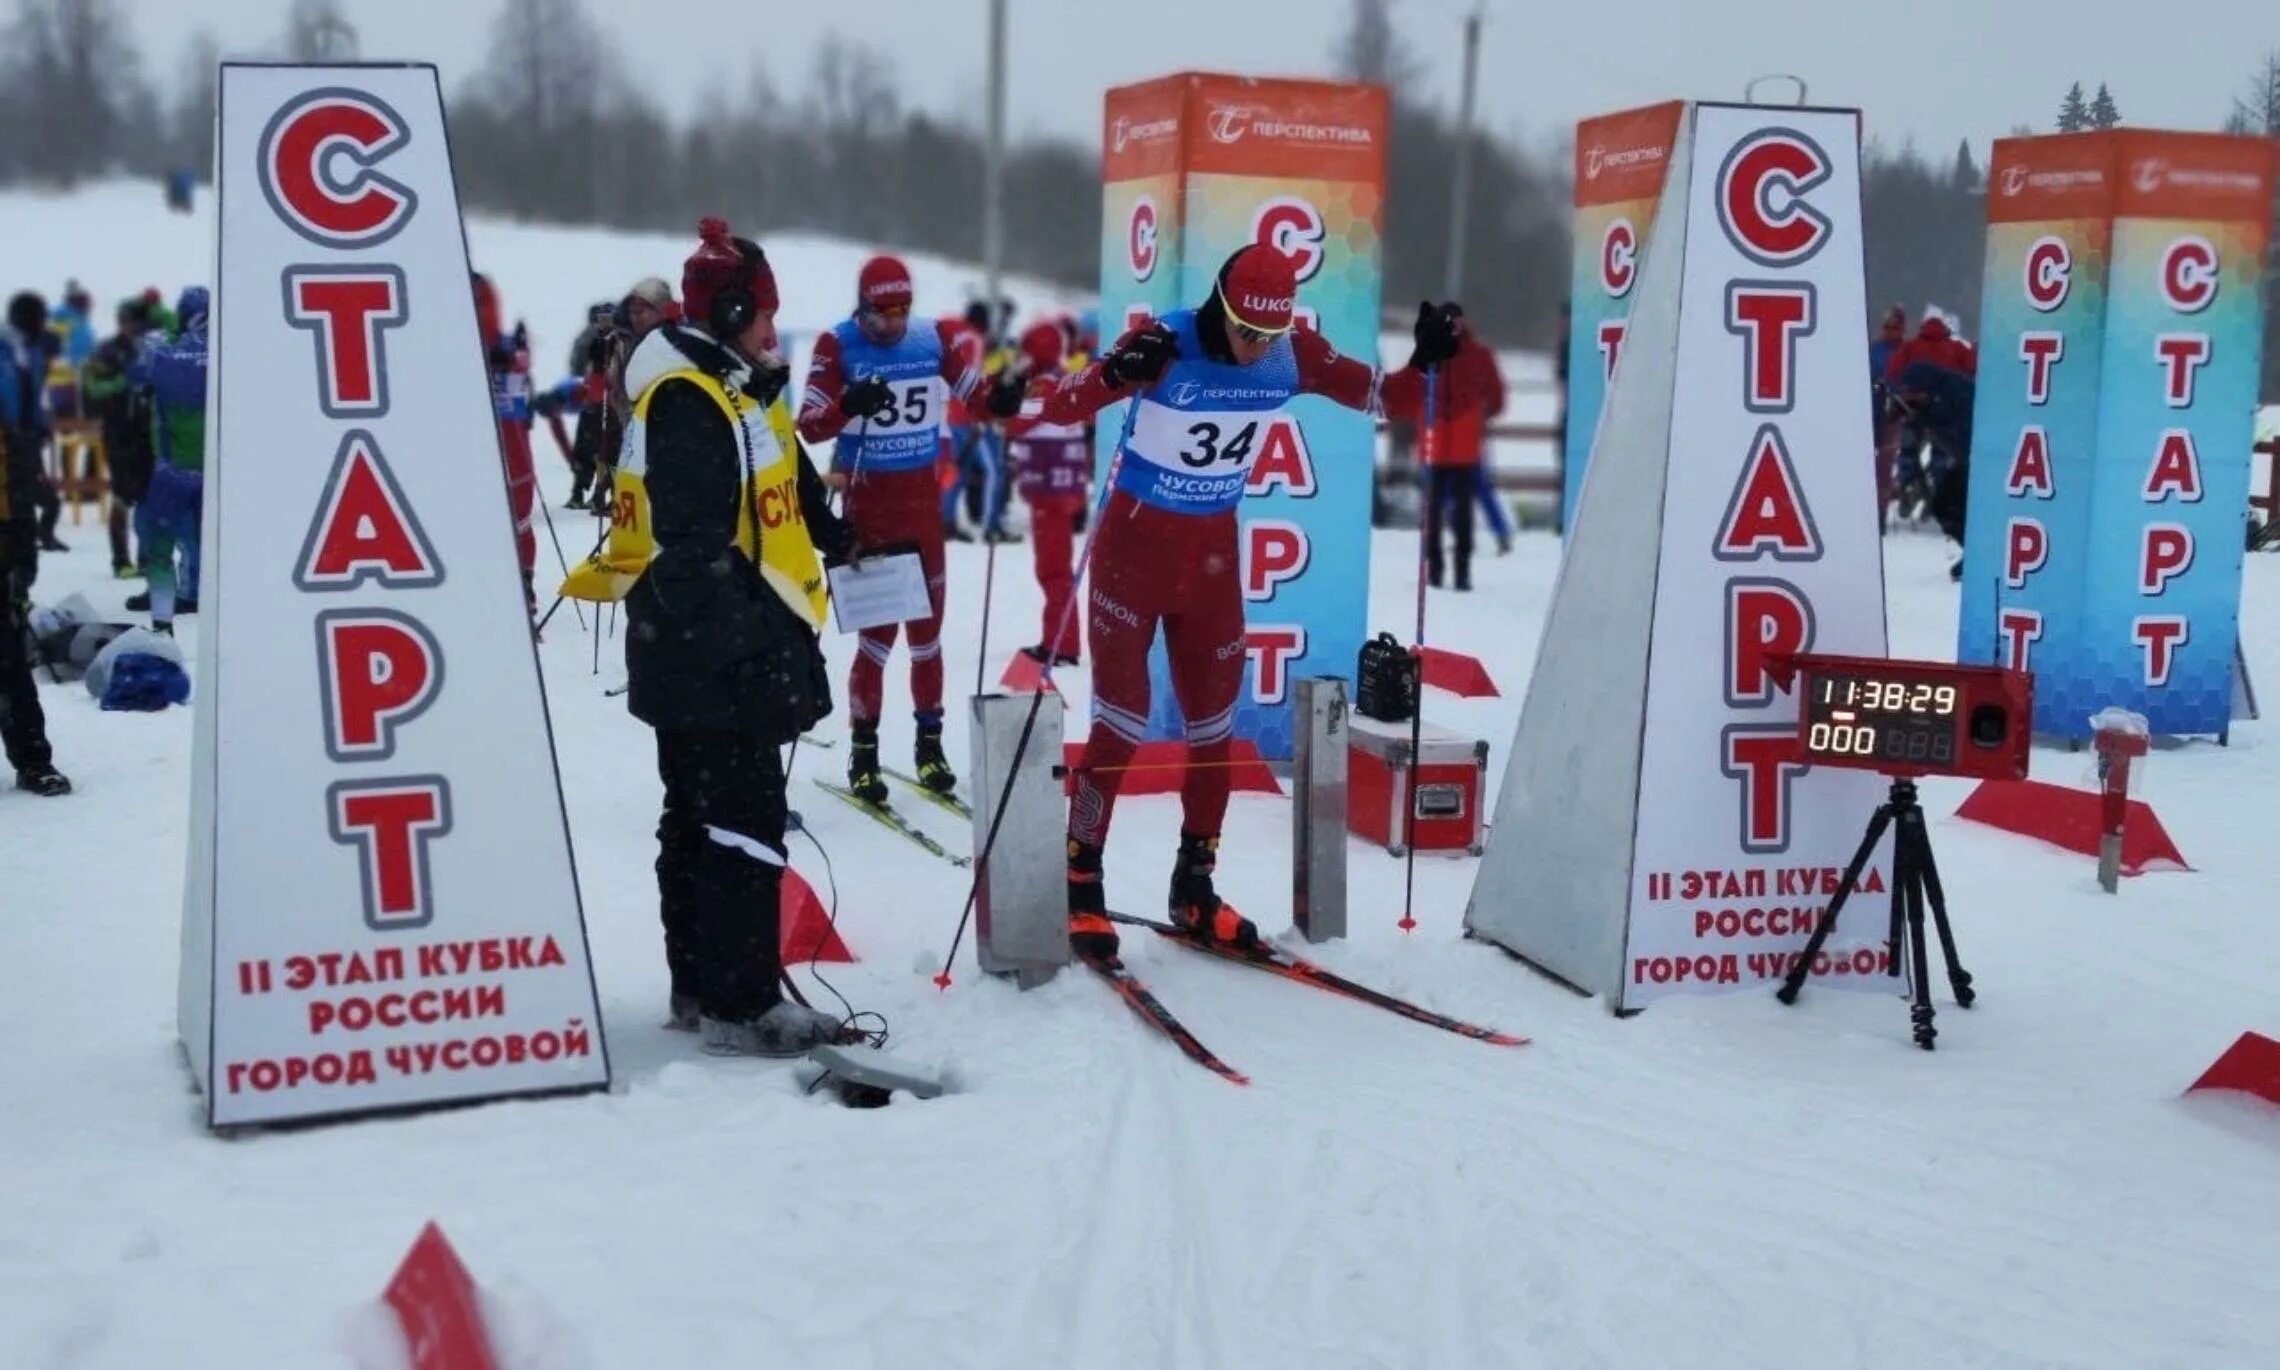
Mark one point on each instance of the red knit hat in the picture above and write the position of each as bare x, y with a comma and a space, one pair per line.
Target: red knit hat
1259, 289
883, 283
1041, 347
721, 261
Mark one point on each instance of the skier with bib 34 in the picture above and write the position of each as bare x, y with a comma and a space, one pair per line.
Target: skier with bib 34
879, 387
1204, 383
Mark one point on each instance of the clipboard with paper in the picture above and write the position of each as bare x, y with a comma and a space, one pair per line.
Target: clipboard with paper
888, 587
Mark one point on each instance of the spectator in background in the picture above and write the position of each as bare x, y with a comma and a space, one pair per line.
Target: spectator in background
1939, 399
1936, 343
1052, 463
975, 444
126, 431
507, 360
1452, 449
23, 727
74, 324
1882, 415
25, 349
170, 516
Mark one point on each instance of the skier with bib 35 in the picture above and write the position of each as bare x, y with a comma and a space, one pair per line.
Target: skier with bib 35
880, 388
1205, 383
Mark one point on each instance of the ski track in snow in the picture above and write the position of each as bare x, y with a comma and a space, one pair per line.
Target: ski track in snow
1718, 1182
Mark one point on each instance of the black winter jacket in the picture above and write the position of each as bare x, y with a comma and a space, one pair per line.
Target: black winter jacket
710, 646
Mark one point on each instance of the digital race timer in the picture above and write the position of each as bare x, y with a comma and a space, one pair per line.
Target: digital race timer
1912, 717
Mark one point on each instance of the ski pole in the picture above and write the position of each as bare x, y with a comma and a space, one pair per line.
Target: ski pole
989, 586
1417, 662
538, 497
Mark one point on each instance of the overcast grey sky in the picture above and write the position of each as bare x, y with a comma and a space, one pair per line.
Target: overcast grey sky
1934, 70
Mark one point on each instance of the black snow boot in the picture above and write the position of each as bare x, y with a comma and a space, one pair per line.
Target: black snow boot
863, 779
43, 780
933, 768
1196, 907
1091, 935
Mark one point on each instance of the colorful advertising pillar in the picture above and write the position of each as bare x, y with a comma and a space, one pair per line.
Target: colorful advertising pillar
2176, 429
1620, 163
2113, 571
1196, 166
2035, 414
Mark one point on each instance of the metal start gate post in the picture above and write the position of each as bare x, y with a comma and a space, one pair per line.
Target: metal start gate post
1318, 810
1021, 916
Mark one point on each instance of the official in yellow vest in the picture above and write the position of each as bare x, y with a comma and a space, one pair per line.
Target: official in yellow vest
721, 657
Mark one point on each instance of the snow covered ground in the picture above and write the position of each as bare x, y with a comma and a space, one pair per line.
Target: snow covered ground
1717, 1182
1714, 1183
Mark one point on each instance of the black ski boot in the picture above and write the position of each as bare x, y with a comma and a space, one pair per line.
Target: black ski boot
863, 778
933, 768
1196, 907
1091, 935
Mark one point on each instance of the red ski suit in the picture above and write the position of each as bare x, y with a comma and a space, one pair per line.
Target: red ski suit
1154, 567
892, 507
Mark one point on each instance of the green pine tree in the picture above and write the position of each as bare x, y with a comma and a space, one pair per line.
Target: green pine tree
2073, 113
2103, 113
1964, 175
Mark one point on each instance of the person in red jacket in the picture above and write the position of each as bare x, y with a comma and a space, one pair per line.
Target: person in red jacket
1204, 383
1452, 450
508, 362
1936, 343
892, 384
1052, 463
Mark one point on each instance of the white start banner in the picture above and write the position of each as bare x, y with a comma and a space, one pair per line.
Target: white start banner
382, 910
1770, 545
1655, 833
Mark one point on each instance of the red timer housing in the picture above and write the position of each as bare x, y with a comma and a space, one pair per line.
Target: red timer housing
1910, 718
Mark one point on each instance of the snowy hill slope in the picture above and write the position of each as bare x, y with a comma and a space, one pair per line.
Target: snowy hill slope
1715, 1183
116, 238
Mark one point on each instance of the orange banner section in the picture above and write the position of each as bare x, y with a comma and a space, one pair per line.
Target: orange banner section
1623, 156
2214, 177
1140, 132
1244, 126
2131, 174
2061, 176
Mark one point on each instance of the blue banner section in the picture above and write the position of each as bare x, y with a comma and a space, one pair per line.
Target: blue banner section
2034, 442
2161, 613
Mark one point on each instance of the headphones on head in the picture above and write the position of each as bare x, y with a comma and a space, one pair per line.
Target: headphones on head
732, 307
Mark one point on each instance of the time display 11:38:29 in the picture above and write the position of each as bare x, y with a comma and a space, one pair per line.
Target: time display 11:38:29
1887, 696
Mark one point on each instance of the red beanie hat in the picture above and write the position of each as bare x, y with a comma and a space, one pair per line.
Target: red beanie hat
884, 283
1041, 347
1259, 289
721, 261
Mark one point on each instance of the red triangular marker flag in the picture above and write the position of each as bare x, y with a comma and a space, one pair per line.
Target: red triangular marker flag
2072, 819
1025, 675
804, 933
1457, 673
434, 1299
2250, 1065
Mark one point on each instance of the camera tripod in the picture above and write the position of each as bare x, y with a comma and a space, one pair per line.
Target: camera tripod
1915, 883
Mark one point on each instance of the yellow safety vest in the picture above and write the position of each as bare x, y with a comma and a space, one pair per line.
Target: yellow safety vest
787, 556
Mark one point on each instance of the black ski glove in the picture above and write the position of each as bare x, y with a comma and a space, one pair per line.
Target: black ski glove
867, 398
1142, 359
1435, 335
1006, 393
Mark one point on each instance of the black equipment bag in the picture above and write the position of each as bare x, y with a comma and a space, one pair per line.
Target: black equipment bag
1386, 681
